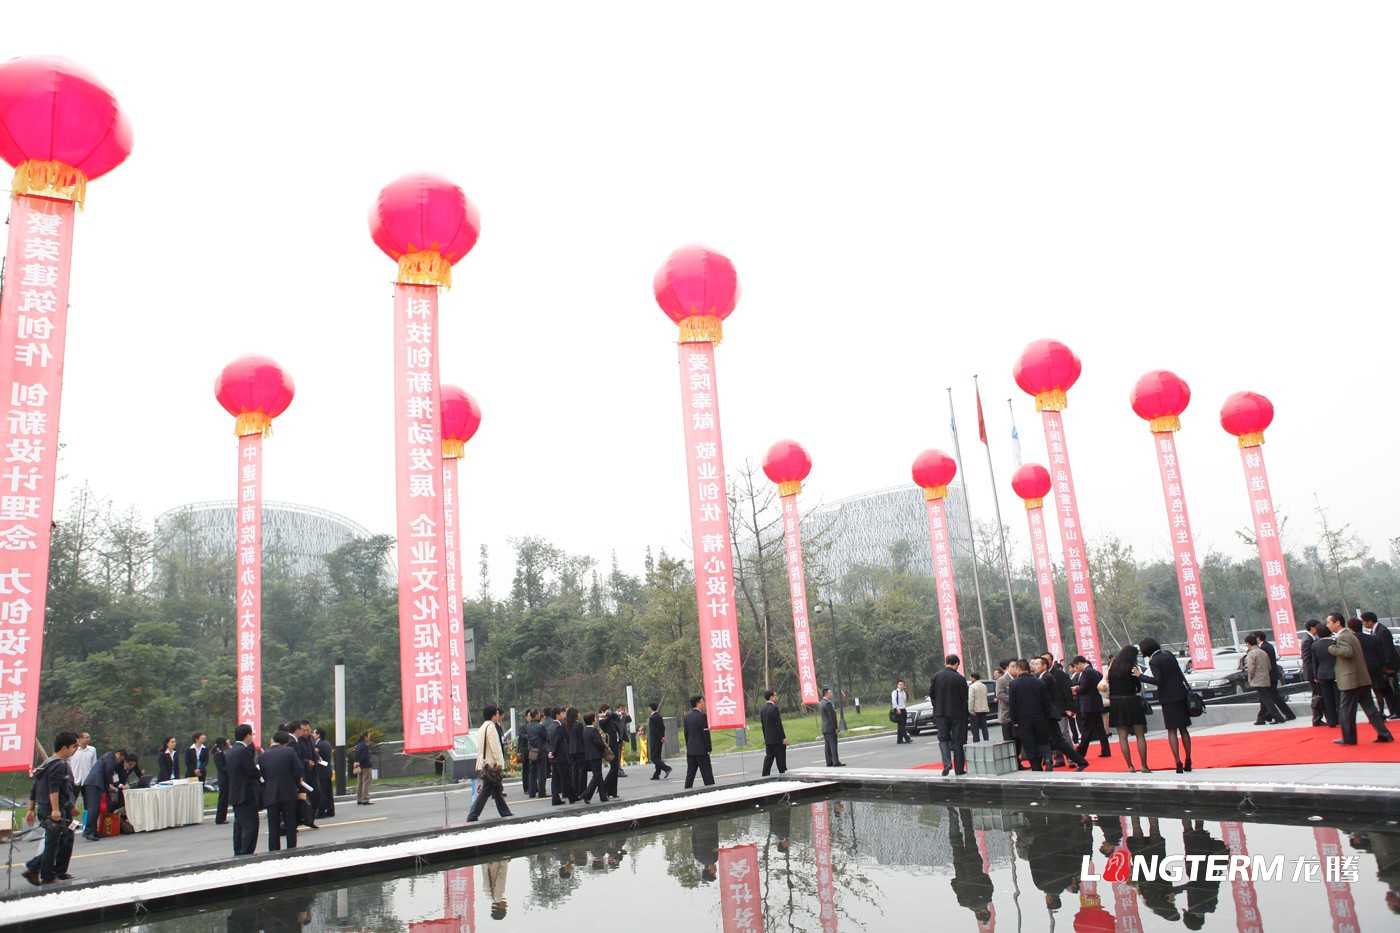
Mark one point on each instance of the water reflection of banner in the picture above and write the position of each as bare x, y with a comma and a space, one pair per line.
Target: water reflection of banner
1246, 904
991, 924
740, 901
1125, 902
1339, 902
826, 888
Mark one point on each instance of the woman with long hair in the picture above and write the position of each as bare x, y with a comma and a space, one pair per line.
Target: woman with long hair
169, 761
1172, 692
1125, 710
576, 768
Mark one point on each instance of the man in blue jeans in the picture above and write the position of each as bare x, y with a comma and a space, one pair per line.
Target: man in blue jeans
948, 691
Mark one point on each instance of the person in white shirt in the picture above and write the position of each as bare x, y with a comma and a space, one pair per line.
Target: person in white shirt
899, 703
977, 707
83, 759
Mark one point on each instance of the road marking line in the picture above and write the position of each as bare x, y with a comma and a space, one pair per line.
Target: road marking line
83, 855
373, 819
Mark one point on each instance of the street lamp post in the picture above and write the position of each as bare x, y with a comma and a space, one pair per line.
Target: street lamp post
835, 661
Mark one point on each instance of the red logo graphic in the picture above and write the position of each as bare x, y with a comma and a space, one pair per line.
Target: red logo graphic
1116, 871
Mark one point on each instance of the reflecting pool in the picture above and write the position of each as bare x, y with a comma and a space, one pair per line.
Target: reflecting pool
866, 863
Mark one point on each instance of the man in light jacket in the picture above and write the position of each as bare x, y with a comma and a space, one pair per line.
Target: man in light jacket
1258, 669
1003, 695
489, 752
1353, 682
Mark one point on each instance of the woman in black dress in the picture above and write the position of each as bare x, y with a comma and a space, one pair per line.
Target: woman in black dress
1125, 709
1171, 697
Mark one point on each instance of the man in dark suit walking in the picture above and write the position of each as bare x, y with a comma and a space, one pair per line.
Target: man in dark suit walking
697, 744
1305, 648
610, 725
948, 691
1325, 672
1390, 663
1031, 711
282, 773
829, 730
244, 790
656, 741
1090, 703
325, 785
774, 735
1275, 679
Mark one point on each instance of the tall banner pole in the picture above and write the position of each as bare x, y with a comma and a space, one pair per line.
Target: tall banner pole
1246, 415
933, 471
1047, 370
788, 464
1032, 483
1159, 398
415, 210
49, 107
461, 416
1001, 528
971, 534
698, 289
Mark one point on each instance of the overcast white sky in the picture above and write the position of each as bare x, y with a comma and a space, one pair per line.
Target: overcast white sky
911, 192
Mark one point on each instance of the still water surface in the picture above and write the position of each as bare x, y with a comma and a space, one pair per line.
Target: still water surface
893, 865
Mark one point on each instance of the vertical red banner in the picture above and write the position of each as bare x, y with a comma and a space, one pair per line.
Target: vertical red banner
1045, 580
741, 903
1246, 901
1339, 899
452, 562
1081, 588
1127, 918
943, 577
249, 582
33, 327
826, 884
709, 531
460, 896
1188, 576
418, 477
797, 590
1266, 529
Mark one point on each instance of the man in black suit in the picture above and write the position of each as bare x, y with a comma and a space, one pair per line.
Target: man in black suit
1305, 646
1090, 703
244, 790
305, 747
1275, 679
1061, 699
221, 763
948, 691
697, 744
1390, 664
774, 735
1325, 669
104, 777
610, 725
325, 789
656, 741
829, 730
282, 774
560, 768
1031, 712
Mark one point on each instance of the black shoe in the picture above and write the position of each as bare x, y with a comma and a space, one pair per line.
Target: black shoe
1179, 769
1384, 738
839, 764
961, 773
1342, 742
471, 819
1105, 754
1260, 722
622, 774
556, 803
1188, 764
656, 777
89, 837
507, 815
945, 771
1082, 767
65, 877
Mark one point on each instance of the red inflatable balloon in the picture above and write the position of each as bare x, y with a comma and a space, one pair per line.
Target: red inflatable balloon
254, 389
933, 469
461, 416
697, 288
1159, 398
787, 464
1047, 370
1031, 481
56, 117
1246, 415
425, 223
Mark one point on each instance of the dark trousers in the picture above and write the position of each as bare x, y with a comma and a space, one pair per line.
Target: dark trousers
1267, 710
1092, 730
1330, 700
92, 806
281, 820
325, 789
579, 775
498, 791
596, 781
562, 784
610, 779
832, 757
221, 810
700, 763
655, 752
1061, 746
58, 851
245, 828
952, 734
1009, 734
1351, 699
539, 773
1378, 687
1281, 704
772, 753
527, 773
901, 723
1316, 704
978, 726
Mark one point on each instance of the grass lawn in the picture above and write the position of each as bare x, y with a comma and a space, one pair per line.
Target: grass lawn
805, 727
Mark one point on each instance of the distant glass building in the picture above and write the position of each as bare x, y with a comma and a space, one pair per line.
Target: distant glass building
298, 537
884, 528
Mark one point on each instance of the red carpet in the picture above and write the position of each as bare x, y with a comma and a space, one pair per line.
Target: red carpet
1266, 745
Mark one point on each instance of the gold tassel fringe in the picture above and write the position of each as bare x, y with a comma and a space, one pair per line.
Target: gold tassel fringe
1052, 400
1252, 439
935, 492
425, 267
790, 488
1034, 504
50, 179
252, 422
1165, 423
452, 449
701, 328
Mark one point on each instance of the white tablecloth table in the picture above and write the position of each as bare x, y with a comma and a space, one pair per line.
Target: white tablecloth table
165, 806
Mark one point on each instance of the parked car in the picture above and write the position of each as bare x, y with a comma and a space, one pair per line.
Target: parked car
920, 715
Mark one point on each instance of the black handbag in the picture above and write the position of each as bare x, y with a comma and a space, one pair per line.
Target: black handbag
1195, 704
1146, 706
894, 714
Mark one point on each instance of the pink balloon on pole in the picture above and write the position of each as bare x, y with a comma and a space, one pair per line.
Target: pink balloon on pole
425, 223
934, 470
1031, 481
787, 464
254, 389
697, 288
59, 126
1247, 415
1047, 370
461, 416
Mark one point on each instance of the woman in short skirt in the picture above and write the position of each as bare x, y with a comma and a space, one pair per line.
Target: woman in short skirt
1172, 691
1125, 709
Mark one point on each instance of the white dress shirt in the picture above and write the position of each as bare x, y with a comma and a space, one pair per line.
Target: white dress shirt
899, 699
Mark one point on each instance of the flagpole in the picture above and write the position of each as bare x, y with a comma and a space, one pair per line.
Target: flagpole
971, 535
1001, 529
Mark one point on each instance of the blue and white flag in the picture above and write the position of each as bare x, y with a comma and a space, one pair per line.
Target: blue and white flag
1015, 443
